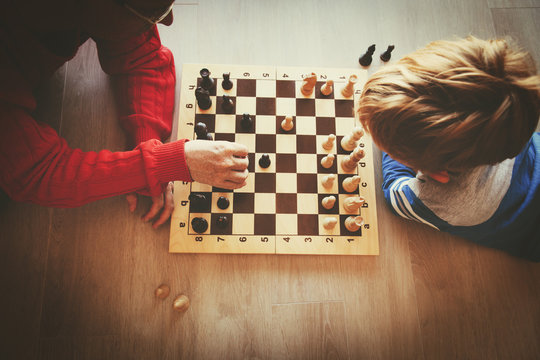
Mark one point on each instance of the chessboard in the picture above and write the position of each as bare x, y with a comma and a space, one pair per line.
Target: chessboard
280, 209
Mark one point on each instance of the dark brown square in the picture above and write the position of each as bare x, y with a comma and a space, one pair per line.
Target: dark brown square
265, 143
246, 87
305, 107
308, 224
334, 210
306, 144
344, 108
245, 130
265, 224
265, 182
208, 119
286, 163
251, 165
218, 230
344, 230
279, 129
285, 88
202, 205
306, 183
224, 137
266, 106
212, 91
331, 170
318, 93
243, 203
286, 203
325, 125
219, 105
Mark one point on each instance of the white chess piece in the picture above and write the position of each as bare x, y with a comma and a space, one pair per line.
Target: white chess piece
348, 90
348, 143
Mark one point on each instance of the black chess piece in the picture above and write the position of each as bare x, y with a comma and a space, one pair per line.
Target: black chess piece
223, 202
198, 202
222, 221
208, 137
199, 225
201, 130
365, 60
385, 56
246, 122
227, 105
265, 161
227, 84
207, 82
203, 98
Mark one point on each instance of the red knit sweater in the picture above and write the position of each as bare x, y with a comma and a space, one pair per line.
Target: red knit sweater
38, 166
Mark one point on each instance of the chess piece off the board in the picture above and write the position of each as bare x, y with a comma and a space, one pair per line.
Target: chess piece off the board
367, 58
162, 291
385, 56
181, 303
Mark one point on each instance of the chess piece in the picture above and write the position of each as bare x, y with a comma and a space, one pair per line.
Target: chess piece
353, 203
203, 98
201, 130
328, 144
350, 162
327, 161
222, 221
348, 90
365, 60
181, 303
207, 82
264, 161
227, 105
328, 180
198, 202
223, 202
162, 291
385, 56
350, 184
227, 84
328, 202
199, 225
327, 87
287, 123
208, 137
353, 223
348, 143
308, 84
329, 223
246, 122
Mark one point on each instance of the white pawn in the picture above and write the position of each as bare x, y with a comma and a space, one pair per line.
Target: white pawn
348, 90
329, 223
350, 162
328, 180
350, 184
327, 88
353, 223
308, 84
328, 144
353, 203
328, 161
287, 123
328, 202
348, 143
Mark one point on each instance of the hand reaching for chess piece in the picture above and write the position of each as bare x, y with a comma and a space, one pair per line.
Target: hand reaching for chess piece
218, 163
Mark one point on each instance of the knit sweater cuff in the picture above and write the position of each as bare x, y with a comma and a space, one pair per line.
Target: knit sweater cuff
170, 162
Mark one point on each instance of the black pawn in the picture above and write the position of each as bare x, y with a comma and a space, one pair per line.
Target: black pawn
385, 56
365, 60
246, 122
264, 161
198, 202
201, 130
223, 203
207, 82
222, 221
208, 137
227, 105
227, 84
199, 225
203, 98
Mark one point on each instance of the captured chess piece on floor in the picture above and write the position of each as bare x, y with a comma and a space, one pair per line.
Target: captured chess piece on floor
385, 56
367, 57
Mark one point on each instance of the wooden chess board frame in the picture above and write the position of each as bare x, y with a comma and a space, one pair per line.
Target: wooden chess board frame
327, 242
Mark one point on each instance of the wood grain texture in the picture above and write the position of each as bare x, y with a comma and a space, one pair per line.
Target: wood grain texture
79, 283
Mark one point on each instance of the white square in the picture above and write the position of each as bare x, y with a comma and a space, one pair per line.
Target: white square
246, 104
270, 169
325, 107
306, 163
344, 125
322, 139
265, 203
216, 196
265, 124
221, 91
286, 183
286, 224
247, 140
266, 88
299, 94
285, 106
307, 203
332, 231
243, 224
285, 144
225, 124
305, 125
200, 187
334, 189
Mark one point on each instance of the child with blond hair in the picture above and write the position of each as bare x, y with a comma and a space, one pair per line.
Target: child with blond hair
456, 123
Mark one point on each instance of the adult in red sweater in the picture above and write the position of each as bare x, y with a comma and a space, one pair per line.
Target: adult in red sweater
36, 38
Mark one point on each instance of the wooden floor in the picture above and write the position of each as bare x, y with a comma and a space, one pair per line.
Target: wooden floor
79, 283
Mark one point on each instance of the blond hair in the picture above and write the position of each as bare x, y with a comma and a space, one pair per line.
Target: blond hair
453, 105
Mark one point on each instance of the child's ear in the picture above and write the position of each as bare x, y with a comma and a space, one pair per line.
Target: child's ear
441, 176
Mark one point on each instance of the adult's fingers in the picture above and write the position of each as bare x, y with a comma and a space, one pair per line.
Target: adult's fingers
168, 207
132, 201
157, 204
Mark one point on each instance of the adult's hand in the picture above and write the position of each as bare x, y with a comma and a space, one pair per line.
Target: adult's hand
218, 163
163, 203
